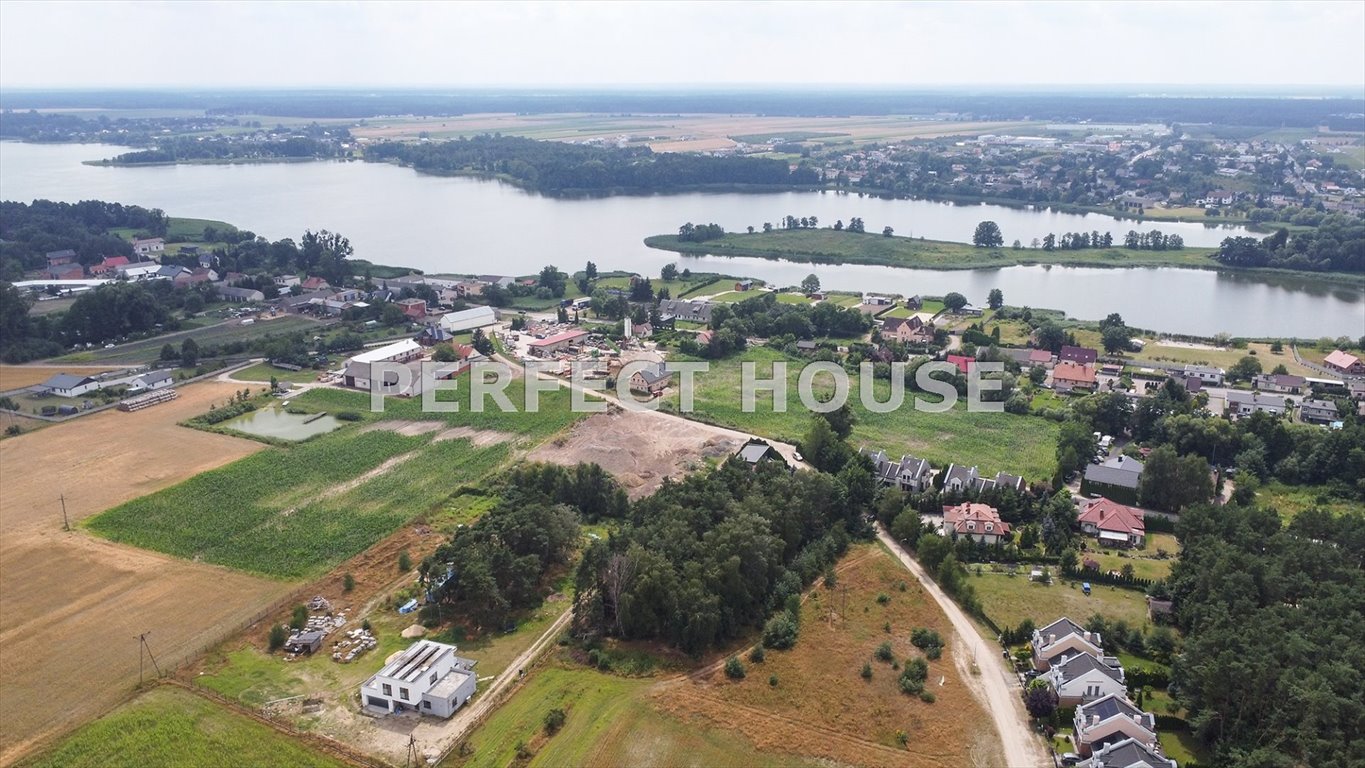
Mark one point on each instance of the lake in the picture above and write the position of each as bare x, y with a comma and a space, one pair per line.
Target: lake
394, 215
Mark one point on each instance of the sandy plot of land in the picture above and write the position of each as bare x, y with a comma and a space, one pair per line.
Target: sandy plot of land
19, 376
639, 449
709, 144
71, 605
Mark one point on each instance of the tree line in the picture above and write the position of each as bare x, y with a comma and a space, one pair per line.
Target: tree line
1337, 245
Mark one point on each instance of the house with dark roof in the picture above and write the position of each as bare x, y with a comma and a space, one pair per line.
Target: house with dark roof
962, 479
906, 330
757, 452
1205, 373
1110, 720
151, 380
652, 379
428, 678
69, 385
694, 311
910, 474
1078, 355
1083, 678
1319, 411
1117, 478
1129, 753
58, 258
1280, 382
1242, 403
1113, 524
1061, 640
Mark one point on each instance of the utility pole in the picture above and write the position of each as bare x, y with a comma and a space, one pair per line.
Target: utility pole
141, 648
66, 524
412, 759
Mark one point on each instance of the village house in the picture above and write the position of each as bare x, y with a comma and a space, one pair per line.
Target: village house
910, 474
1078, 355
69, 385
1279, 382
150, 381
287, 281
428, 678
59, 258
413, 309
149, 246
1117, 478
1129, 753
1061, 640
961, 479
963, 363
1241, 403
653, 379
1073, 377
907, 330
1110, 720
975, 521
109, 265
1319, 411
1343, 362
757, 452
1113, 524
1041, 357
433, 334
694, 311
1083, 678
465, 356
1205, 373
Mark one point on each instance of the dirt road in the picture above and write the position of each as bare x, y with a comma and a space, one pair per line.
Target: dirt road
994, 684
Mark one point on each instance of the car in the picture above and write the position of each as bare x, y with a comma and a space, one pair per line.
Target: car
108, 346
797, 455
1070, 758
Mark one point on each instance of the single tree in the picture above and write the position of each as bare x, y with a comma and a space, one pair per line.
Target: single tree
954, 301
988, 235
995, 299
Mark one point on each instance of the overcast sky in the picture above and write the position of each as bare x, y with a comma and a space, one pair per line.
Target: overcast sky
207, 44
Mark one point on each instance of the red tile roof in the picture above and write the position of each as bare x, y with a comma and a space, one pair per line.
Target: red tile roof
1076, 374
1112, 516
956, 518
962, 362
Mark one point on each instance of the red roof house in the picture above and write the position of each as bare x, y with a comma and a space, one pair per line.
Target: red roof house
1113, 523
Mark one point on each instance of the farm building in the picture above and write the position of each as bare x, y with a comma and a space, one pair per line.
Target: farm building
551, 344
653, 379
469, 319
358, 368
151, 380
69, 385
427, 677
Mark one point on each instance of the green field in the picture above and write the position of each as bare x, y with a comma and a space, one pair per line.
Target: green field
1008, 600
826, 246
293, 512
1290, 500
609, 721
179, 229
171, 728
148, 350
265, 371
1024, 445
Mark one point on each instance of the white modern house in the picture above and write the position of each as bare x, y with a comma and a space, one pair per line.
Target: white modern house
469, 319
428, 677
69, 385
1205, 373
1083, 678
151, 380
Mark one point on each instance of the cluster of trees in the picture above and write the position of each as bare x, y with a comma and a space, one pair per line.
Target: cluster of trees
1337, 245
763, 315
496, 567
705, 559
29, 231
555, 167
179, 149
700, 233
1075, 241
1152, 241
1271, 671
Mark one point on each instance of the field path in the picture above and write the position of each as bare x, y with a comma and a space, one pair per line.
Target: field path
994, 686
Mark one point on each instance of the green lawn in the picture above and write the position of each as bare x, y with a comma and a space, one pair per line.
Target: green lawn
1183, 747
171, 728
826, 246
265, 371
1008, 600
608, 721
993, 441
179, 229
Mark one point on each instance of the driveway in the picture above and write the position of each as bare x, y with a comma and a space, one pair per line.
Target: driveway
994, 685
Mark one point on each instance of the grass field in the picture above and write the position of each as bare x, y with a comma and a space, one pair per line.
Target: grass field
1146, 564
148, 350
172, 728
179, 229
1023, 445
1226, 357
1008, 600
826, 246
265, 371
1290, 500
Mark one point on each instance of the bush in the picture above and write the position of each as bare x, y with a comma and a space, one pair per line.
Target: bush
300, 617
883, 599
913, 676
924, 638
780, 632
772, 680
867, 670
404, 561
347, 583
734, 668
756, 655
933, 652
883, 652
554, 720
278, 635
927, 697
348, 416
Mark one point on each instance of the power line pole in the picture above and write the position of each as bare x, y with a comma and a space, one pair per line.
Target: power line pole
142, 647
66, 524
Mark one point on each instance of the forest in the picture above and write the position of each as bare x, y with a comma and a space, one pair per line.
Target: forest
560, 168
1273, 668
181, 149
28, 231
1337, 245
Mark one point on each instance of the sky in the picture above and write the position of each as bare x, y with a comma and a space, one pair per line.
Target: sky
205, 44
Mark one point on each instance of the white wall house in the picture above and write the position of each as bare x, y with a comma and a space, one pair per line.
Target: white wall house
1061, 640
69, 385
428, 677
151, 380
1083, 678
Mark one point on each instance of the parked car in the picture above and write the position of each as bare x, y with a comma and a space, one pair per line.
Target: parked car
1070, 758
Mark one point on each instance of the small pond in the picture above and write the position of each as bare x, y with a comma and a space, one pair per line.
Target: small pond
276, 422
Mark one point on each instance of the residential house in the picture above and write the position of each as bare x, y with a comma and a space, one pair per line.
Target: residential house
432, 335
413, 309
109, 265
915, 303
195, 276
1242, 403
1072, 377
1061, 640
975, 521
653, 379
469, 319
171, 271
1112, 523
69, 385
139, 270
1206, 374
757, 452
962, 479
1280, 382
1355, 389
287, 281
1078, 355
550, 345
963, 363
498, 280
148, 246
315, 284
151, 380
465, 356
744, 285
907, 330
240, 295
969, 310
1343, 362
1042, 357
1129, 753
910, 474
428, 678
805, 347
1083, 678
704, 338
641, 331
1110, 720
1117, 478
58, 258
1319, 411
694, 311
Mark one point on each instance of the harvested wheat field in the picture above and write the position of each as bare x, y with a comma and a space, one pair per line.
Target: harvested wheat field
822, 707
640, 448
72, 606
19, 376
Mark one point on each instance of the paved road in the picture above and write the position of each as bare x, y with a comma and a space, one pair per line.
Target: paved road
995, 683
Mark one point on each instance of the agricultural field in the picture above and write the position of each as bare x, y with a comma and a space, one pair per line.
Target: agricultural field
148, 350
167, 728
93, 594
263, 372
1023, 445
852, 720
19, 376
1008, 600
